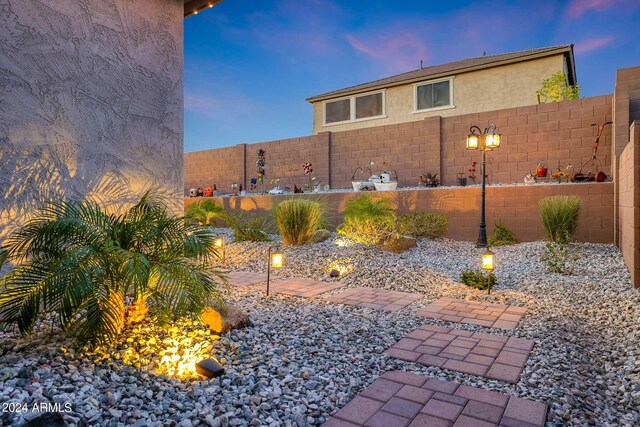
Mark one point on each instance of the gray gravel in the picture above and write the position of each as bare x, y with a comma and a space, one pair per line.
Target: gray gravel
303, 359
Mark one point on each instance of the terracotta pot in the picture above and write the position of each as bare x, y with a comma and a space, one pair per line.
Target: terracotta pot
541, 172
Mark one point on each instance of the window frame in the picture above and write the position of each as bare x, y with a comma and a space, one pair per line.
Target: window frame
352, 108
430, 82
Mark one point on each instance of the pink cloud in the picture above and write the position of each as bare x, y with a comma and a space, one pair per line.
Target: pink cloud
592, 44
578, 7
398, 52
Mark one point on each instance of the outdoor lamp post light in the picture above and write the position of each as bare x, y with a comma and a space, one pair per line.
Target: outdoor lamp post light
209, 368
220, 243
488, 263
275, 260
485, 141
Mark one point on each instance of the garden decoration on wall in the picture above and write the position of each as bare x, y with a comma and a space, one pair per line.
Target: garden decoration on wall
261, 166
431, 179
472, 171
308, 170
462, 180
254, 184
594, 173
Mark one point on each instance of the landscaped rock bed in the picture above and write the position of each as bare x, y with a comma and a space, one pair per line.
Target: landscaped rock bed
304, 358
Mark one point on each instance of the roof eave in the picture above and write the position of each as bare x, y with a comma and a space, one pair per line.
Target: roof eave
560, 50
193, 7
571, 66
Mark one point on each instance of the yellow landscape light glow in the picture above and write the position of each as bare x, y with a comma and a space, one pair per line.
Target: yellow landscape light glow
492, 140
488, 260
473, 141
219, 242
277, 260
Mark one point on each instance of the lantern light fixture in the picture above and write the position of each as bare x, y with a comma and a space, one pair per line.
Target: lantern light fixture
221, 243
489, 263
275, 260
486, 140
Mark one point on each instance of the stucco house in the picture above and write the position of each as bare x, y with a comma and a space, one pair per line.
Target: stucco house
471, 85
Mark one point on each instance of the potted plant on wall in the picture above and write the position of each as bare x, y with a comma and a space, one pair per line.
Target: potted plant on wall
431, 180
261, 166
541, 169
462, 180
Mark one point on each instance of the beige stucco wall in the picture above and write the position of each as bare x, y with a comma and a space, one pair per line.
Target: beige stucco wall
497, 88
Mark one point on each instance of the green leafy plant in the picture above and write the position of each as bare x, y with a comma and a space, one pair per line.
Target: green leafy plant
502, 235
477, 279
423, 224
432, 179
247, 226
298, 220
559, 215
206, 212
560, 257
555, 89
368, 221
84, 266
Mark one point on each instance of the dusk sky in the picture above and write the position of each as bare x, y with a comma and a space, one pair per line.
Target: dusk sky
249, 65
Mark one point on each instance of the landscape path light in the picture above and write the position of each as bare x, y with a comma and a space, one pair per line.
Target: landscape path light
485, 141
209, 368
222, 244
275, 260
488, 263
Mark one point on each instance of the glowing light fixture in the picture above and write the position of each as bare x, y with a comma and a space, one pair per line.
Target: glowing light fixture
488, 263
220, 243
209, 368
275, 260
485, 141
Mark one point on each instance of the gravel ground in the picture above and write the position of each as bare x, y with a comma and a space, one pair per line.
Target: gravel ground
303, 359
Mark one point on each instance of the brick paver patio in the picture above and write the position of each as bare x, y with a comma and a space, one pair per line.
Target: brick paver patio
476, 353
245, 278
400, 399
474, 313
375, 298
306, 288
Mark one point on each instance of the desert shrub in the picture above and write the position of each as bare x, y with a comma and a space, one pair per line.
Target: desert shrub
423, 224
247, 226
298, 220
368, 221
560, 257
502, 235
85, 265
559, 215
477, 279
206, 212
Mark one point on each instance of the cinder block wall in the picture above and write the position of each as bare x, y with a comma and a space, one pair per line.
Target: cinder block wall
558, 133
628, 188
517, 206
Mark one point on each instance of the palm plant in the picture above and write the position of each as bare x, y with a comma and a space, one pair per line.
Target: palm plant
85, 266
205, 212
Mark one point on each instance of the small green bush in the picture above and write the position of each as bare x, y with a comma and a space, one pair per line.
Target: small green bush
298, 220
423, 224
205, 212
477, 279
502, 235
560, 257
368, 221
559, 215
247, 226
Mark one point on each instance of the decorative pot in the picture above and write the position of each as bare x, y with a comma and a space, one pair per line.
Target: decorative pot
208, 192
200, 192
193, 192
462, 180
541, 172
385, 186
356, 185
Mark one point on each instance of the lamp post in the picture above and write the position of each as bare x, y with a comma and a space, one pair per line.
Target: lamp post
275, 260
220, 243
488, 263
485, 141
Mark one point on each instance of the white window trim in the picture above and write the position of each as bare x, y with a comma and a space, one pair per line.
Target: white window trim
429, 82
352, 108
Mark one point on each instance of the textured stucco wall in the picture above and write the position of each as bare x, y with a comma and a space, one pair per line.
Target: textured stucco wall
508, 86
91, 91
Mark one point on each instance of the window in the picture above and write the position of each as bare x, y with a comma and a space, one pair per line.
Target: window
357, 107
437, 94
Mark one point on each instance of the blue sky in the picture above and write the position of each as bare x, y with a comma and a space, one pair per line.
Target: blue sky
249, 64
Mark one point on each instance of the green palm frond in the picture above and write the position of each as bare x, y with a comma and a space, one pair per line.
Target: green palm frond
80, 262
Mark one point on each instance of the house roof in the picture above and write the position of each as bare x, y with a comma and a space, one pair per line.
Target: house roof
457, 67
192, 7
